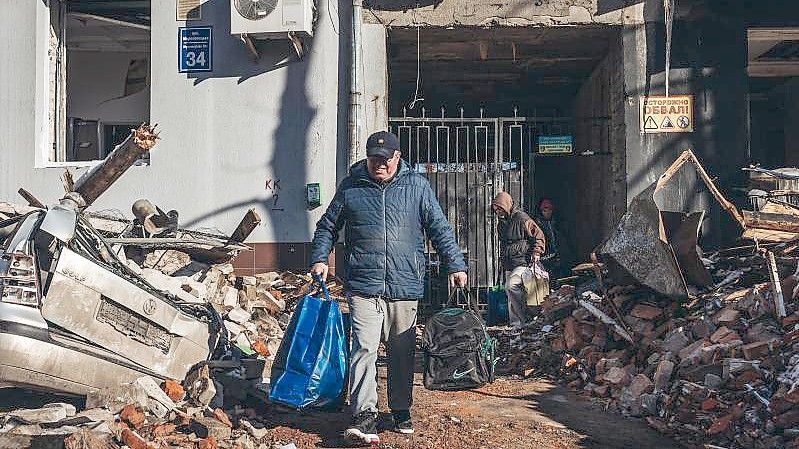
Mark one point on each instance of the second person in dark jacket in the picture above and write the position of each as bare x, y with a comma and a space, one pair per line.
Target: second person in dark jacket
385, 209
522, 244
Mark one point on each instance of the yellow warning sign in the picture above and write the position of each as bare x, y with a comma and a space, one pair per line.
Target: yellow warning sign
672, 114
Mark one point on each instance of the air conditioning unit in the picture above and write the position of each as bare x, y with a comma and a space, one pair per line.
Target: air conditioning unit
271, 19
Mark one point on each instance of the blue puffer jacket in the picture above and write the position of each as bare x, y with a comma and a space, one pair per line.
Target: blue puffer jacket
384, 234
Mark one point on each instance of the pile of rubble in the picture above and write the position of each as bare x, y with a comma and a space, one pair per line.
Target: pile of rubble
704, 347
211, 407
187, 272
143, 415
720, 368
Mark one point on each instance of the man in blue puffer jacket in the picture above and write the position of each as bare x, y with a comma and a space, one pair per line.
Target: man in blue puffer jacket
385, 209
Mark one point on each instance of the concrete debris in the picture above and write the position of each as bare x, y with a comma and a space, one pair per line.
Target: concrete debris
50, 413
205, 408
193, 311
720, 367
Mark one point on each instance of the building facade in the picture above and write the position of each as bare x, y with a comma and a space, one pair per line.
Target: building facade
475, 89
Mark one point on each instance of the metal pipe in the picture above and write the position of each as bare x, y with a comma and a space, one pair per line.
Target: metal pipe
355, 82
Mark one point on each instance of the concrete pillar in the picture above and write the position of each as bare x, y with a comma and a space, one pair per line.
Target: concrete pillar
709, 62
792, 123
375, 85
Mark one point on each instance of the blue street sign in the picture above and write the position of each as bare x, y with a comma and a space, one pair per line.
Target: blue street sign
195, 46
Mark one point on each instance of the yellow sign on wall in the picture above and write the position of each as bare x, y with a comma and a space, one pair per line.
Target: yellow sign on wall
672, 114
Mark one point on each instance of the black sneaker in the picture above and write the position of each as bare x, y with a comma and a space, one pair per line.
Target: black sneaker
363, 428
402, 421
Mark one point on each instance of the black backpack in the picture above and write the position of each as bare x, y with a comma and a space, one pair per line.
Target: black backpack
458, 352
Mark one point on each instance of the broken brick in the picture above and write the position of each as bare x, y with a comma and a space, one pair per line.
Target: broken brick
222, 417
779, 405
132, 415
724, 335
791, 338
571, 333
692, 352
663, 375
726, 316
132, 440
790, 320
617, 376
646, 312
558, 344
163, 429
709, 404
261, 348
788, 419
756, 350
657, 424
173, 389
793, 396
720, 425
208, 443
85, 439
602, 391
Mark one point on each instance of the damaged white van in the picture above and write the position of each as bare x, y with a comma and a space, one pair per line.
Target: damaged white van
74, 318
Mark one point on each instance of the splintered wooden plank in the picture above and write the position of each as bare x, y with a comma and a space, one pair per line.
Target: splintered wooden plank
777, 222
248, 223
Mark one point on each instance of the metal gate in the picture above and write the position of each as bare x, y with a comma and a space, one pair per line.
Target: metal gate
468, 160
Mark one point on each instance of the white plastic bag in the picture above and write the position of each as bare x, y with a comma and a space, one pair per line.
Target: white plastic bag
536, 284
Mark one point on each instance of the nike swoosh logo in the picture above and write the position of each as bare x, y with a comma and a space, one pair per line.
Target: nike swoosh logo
456, 375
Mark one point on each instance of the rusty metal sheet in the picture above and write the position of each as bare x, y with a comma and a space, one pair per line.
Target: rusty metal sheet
682, 230
635, 251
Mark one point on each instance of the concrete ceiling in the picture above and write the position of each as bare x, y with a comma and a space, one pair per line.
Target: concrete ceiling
86, 32
133, 11
773, 52
479, 56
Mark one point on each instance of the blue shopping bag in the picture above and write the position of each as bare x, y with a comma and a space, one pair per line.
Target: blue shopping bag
311, 364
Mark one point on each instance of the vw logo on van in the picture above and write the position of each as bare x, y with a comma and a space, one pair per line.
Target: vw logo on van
149, 306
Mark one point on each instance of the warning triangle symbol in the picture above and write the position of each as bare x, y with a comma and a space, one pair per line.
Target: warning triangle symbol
650, 123
667, 123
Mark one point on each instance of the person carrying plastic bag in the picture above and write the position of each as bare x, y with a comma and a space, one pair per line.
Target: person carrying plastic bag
521, 245
385, 209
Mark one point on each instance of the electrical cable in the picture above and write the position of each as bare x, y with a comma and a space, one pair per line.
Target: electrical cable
416, 98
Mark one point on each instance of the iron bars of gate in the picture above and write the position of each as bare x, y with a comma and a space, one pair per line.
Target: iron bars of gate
468, 160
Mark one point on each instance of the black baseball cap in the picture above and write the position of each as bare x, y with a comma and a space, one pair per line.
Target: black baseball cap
382, 143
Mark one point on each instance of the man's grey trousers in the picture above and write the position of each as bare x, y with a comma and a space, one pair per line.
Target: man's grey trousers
394, 322
514, 288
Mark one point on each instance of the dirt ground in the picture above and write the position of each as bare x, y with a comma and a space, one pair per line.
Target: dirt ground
508, 414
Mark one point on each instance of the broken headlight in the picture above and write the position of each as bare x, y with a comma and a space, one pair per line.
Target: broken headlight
18, 280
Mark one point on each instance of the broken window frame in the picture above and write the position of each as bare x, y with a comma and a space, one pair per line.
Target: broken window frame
59, 126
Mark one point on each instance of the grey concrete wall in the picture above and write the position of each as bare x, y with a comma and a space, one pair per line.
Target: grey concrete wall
708, 61
503, 12
792, 123
375, 73
599, 186
246, 135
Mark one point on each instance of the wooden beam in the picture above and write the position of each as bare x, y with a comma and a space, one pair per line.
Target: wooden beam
776, 222
97, 180
773, 34
688, 156
67, 181
776, 285
248, 224
773, 69
32, 200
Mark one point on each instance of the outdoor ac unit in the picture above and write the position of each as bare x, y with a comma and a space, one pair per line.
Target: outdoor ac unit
271, 19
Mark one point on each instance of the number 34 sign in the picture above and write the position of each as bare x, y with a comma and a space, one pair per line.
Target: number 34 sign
195, 46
